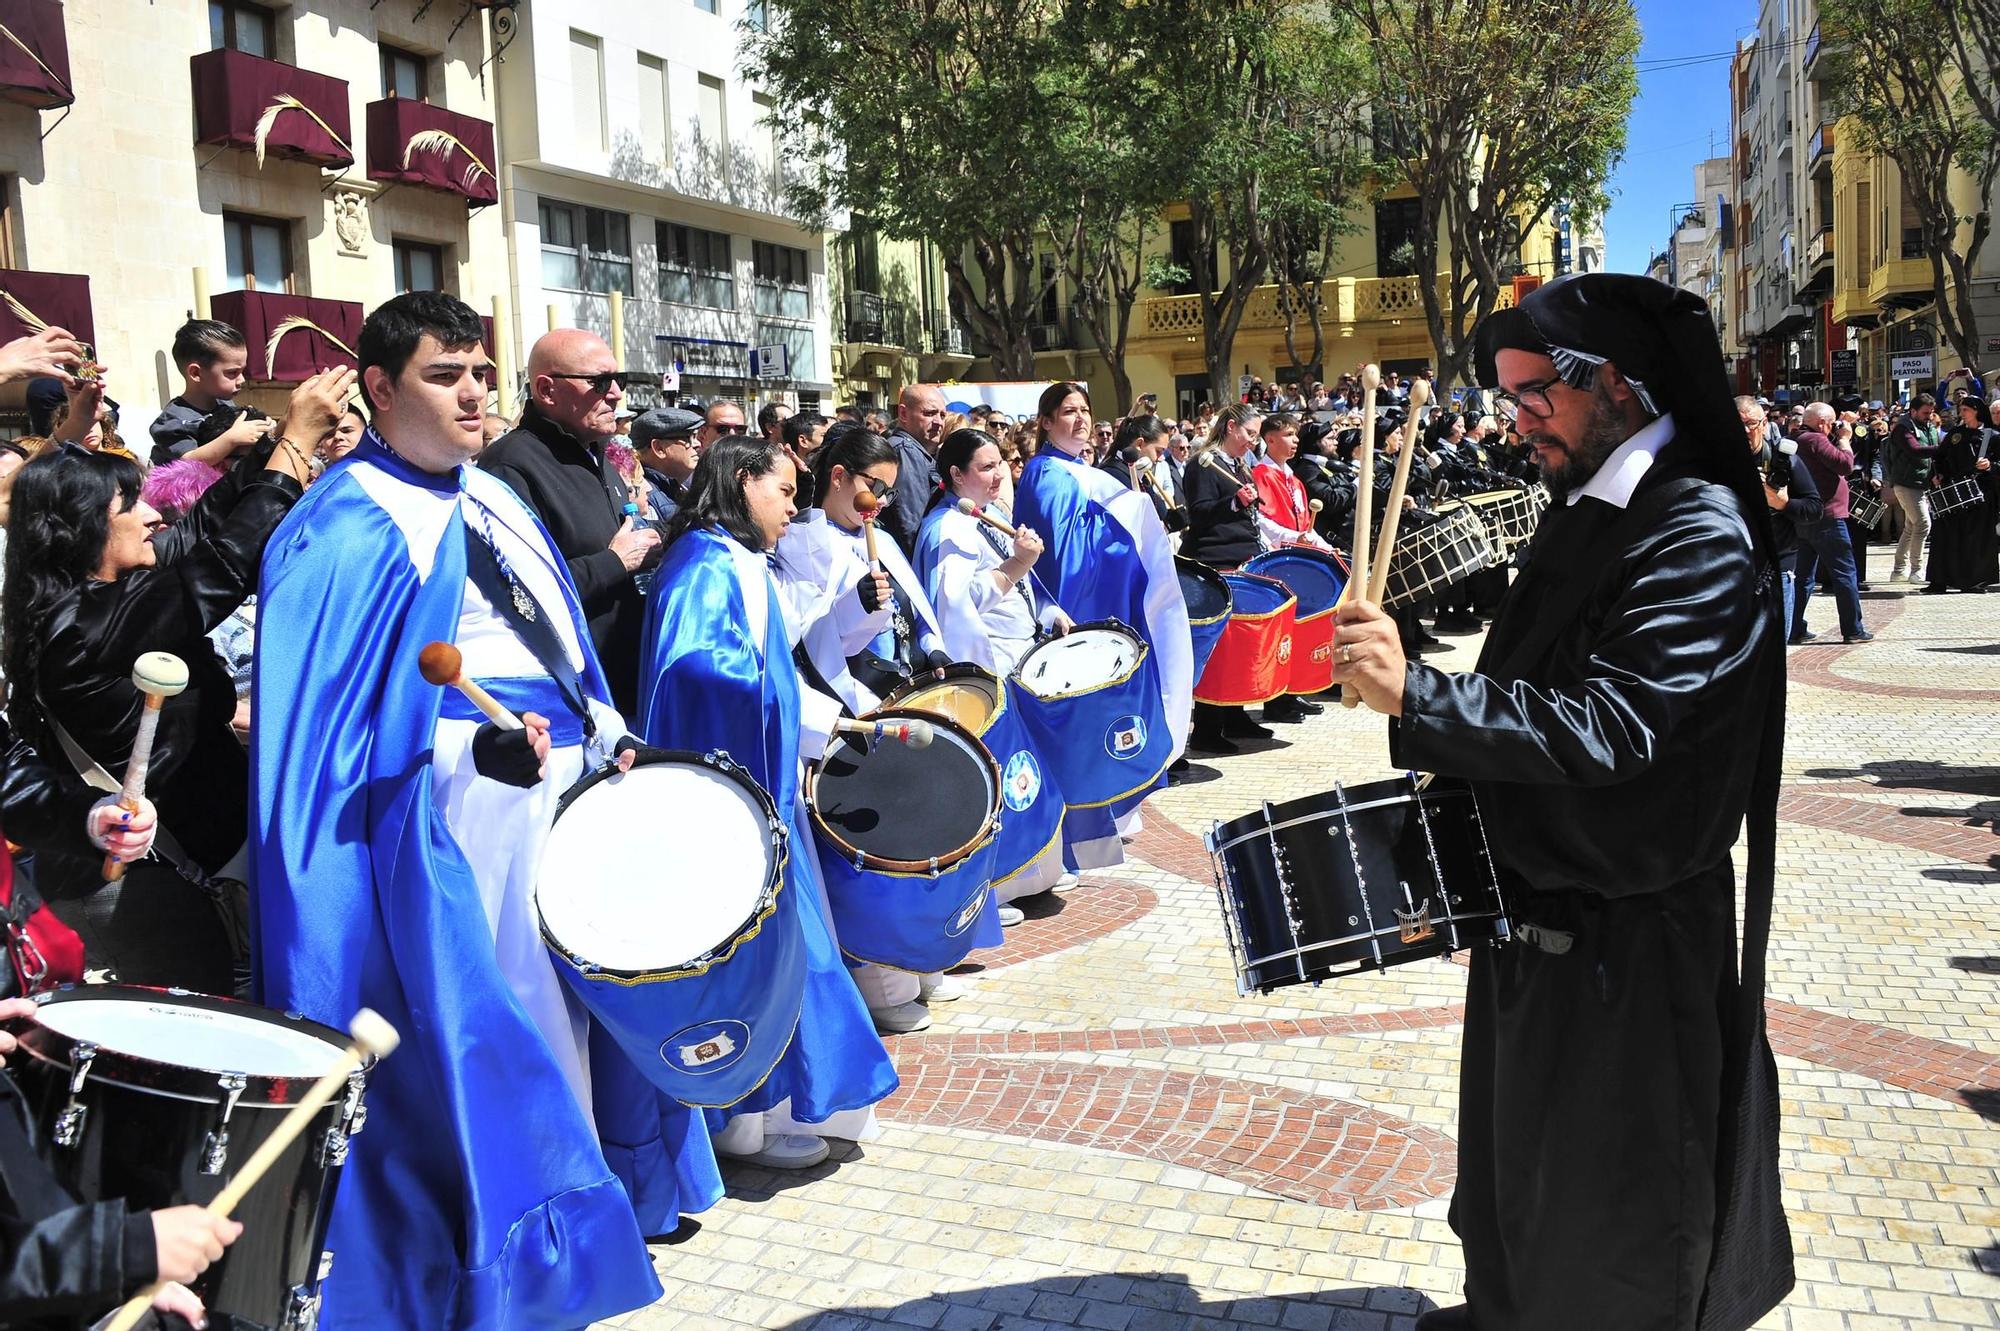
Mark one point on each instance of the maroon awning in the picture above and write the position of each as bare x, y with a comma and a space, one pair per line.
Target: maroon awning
327, 337
415, 143
234, 92
31, 301
34, 54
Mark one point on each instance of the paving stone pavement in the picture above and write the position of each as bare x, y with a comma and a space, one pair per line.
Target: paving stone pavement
1103, 1134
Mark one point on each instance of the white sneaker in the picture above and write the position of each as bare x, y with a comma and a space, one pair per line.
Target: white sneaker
1069, 882
902, 1019
1011, 916
787, 1151
945, 989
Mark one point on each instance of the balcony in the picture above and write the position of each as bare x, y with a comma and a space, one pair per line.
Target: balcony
1819, 151
1344, 301
291, 338
416, 143
34, 65
37, 300
1812, 53
946, 336
270, 108
1819, 250
873, 321
1050, 337
1902, 282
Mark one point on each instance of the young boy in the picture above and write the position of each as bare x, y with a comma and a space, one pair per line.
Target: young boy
212, 357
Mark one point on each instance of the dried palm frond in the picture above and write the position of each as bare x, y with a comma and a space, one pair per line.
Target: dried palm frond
293, 324
442, 142
282, 103
29, 319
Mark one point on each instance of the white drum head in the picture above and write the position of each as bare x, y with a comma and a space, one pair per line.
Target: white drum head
1079, 661
192, 1037
650, 870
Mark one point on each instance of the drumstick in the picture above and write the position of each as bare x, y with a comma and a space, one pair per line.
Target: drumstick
916, 734
158, 675
371, 1035
1210, 459
1364, 502
867, 505
1152, 482
442, 665
1378, 581
972, 510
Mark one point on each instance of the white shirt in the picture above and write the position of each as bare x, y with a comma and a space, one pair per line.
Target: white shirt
1627, 466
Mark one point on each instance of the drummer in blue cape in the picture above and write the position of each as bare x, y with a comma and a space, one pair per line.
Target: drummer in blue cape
718, 677
395, 842
1108, 557
867, 625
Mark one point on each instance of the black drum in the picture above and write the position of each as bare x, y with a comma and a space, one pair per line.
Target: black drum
1359, 878
159, 1096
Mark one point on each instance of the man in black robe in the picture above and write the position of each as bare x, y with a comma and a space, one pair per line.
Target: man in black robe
1618, 1111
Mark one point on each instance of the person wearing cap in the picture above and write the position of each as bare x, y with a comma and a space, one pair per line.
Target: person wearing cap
1618, 1112
665, 440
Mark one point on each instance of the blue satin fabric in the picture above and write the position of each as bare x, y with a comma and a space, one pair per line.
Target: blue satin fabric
1107, 746
520, 695
478, 1196
703, 686
1031, 801
1208, 603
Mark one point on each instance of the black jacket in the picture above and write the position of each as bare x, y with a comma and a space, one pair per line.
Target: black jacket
916, 481
42, 806
1219, 534
1172, 517
205, 566
581, 499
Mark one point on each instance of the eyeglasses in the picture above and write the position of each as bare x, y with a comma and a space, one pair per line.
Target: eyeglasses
600, 384
885, 493
1535, 397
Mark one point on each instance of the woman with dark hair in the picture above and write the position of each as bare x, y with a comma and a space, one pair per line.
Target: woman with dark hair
92, 582
1108, 558
718, 676
866, 630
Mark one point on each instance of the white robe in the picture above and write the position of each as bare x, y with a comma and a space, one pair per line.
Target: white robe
818, 567
979, 622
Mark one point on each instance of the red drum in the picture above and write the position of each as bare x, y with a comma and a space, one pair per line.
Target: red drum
1252, 662
1316, 578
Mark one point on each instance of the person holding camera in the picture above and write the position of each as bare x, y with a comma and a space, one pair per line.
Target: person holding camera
93, 581
1789, 490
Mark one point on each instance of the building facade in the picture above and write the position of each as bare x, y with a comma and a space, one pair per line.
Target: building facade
643, 179
280, 167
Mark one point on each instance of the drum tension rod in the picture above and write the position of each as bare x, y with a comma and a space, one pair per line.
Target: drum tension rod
215, 1147
69, 1123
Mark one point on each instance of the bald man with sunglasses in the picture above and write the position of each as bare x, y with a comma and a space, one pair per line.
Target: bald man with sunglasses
555, 461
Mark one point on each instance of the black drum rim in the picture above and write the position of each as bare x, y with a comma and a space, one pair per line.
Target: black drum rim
931, 868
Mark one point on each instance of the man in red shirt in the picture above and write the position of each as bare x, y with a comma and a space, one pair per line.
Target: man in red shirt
1824, 549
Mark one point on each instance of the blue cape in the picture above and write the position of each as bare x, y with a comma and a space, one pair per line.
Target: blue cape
478, 1195
705, 687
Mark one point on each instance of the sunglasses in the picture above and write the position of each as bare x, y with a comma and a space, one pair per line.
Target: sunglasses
882, 490
600, 384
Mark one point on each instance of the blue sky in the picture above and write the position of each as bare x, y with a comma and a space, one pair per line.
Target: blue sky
1676, 110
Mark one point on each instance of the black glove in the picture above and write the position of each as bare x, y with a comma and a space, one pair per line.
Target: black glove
870, 594
505, 756
937, 661
629, 744
1174, 519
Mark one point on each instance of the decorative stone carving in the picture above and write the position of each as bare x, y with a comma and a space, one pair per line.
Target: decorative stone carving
350, 222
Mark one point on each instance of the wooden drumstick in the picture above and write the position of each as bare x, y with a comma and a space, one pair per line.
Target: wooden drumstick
160, 676
443, 665
1208, 458
1364, 503
867, 505
371, 1036
1378, 580
970, 509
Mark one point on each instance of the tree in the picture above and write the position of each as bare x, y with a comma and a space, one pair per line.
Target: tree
940, 120
1883, 60
1494, 111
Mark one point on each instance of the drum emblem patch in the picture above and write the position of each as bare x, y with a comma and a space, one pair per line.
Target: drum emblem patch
1284, 649
1021, 782
705, 1047
1126, 738
1322, 653
968, 914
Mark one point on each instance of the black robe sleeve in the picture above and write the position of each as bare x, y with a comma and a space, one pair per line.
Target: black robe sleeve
41, 807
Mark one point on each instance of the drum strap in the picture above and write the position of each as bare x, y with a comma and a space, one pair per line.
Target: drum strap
483, 566
993, 539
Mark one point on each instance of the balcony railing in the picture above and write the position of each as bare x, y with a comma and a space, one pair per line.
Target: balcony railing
330, 331
1913, 243
948, 337
1819, 250
1050, 337
1813, 47
56, 300
877, 321
234, 92
1821, 145
1343, 300
415, 143
34, 65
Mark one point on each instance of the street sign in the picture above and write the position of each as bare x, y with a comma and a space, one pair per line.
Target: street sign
1846, 368
772, 362
1912, 365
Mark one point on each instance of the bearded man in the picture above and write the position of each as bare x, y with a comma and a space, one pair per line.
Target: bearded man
1618, 1106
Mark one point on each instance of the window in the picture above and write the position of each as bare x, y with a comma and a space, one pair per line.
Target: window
867, 260
259, 252
784, 281
585, 249
695, 266
1181, 238
237, 25
653, 118
586, 87
419, 266
1395, 237
764, 141
405, 74
707, 6
797, 339
710, 127
757, 15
